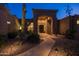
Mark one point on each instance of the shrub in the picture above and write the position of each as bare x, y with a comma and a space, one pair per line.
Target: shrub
70, 34
23, 36
29, 37
12, 35
33, 38
2, 40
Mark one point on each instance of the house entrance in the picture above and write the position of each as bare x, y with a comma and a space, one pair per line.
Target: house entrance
49, 26
41, 28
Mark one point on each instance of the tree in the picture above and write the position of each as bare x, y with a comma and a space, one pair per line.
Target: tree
70, 33
69, 12
24, 21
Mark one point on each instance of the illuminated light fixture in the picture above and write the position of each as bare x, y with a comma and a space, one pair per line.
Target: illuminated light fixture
20, 28
48, 18
77, 21
8, 22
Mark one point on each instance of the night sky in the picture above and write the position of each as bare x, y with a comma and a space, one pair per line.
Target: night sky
16, 9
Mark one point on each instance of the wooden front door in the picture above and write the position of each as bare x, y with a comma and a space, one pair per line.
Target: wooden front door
41, 28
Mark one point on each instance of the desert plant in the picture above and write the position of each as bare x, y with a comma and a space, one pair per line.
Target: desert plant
12, 35
70, 34
33, 38
29, 37
2, 40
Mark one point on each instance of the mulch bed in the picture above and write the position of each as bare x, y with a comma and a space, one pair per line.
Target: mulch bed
15, 48
69, 47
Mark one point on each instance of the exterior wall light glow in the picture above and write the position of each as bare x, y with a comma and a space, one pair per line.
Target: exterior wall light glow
48, 18
8, 22
77, 21
20, 28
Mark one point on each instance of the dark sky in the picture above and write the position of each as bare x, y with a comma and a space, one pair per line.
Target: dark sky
16, 8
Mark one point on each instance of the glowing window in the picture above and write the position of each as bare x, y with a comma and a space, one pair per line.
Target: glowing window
8, 22
20, 27
77, 21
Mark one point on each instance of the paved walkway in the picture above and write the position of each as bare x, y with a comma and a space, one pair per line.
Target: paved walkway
42, 49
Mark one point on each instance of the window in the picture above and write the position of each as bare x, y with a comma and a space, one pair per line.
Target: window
8, 22
77, 21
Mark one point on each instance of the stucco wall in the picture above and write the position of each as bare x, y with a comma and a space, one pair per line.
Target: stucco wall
64, 26
30, 27
12, 26
43, 22
4, 27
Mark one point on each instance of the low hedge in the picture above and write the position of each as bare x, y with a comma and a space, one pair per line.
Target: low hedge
12, 35
70, 34
33, 38
2, 40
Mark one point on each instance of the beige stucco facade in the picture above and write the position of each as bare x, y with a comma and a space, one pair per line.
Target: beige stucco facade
46, 25
44, 21
7, 24
64, 26
7, 21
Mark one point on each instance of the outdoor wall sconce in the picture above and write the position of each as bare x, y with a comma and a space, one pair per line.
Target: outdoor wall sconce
8, 22
77, 21
20, 28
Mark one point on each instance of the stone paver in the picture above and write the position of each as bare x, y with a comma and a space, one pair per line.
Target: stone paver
42, 49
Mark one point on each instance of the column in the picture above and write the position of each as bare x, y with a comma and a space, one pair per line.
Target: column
35, 24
